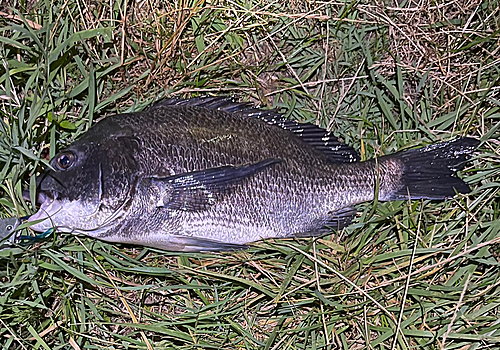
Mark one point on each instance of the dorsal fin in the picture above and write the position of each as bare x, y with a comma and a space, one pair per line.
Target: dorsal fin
319, 138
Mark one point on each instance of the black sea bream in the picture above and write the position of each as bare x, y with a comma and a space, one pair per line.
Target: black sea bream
212, 174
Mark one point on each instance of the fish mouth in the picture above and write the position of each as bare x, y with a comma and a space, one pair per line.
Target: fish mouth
49, 206
57, 212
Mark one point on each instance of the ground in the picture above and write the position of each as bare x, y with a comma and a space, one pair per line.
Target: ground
382, 76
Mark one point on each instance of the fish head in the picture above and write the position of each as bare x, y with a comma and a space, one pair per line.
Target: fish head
86, 188
8, 226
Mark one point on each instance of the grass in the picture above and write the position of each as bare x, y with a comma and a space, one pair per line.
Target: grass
384, 77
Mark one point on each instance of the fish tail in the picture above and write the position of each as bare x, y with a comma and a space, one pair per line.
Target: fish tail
430, 172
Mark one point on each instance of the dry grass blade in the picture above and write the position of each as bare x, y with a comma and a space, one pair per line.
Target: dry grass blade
123, 300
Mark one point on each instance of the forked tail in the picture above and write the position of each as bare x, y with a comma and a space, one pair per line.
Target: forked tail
430, 172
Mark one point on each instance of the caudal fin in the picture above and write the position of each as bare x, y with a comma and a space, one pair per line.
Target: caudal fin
430, 172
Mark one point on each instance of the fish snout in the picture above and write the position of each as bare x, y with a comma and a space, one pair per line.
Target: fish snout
46, 196
41, 196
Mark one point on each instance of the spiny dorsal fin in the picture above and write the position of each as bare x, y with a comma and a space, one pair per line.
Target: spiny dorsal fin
322, 140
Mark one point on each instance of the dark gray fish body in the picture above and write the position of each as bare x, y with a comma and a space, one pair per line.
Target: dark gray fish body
209, 174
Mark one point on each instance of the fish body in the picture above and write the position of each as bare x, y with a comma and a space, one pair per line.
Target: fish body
211, 174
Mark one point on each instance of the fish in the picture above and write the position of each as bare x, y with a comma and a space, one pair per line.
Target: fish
10, 233
213, 174
7, 228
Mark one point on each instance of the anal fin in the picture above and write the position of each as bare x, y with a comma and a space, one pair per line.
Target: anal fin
341, 218
338, 220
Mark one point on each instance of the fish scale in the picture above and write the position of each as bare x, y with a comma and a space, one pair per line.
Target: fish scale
213, 174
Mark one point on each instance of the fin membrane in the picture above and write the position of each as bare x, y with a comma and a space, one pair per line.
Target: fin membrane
316, 137
320, 139
338, 220
196, 244
341, 218
198, 190
430, 172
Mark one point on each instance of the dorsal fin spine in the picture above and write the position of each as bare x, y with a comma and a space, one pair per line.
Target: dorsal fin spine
320, 139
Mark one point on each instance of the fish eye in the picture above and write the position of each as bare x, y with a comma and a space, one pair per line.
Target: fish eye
9, 227
65, 160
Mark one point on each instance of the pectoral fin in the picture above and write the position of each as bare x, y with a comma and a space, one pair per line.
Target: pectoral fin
198, 190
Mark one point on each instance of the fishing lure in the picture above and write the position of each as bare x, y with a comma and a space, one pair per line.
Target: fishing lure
10, 233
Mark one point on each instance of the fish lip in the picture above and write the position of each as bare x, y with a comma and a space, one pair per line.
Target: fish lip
52, 203
47, 196
49, 205
42, 196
